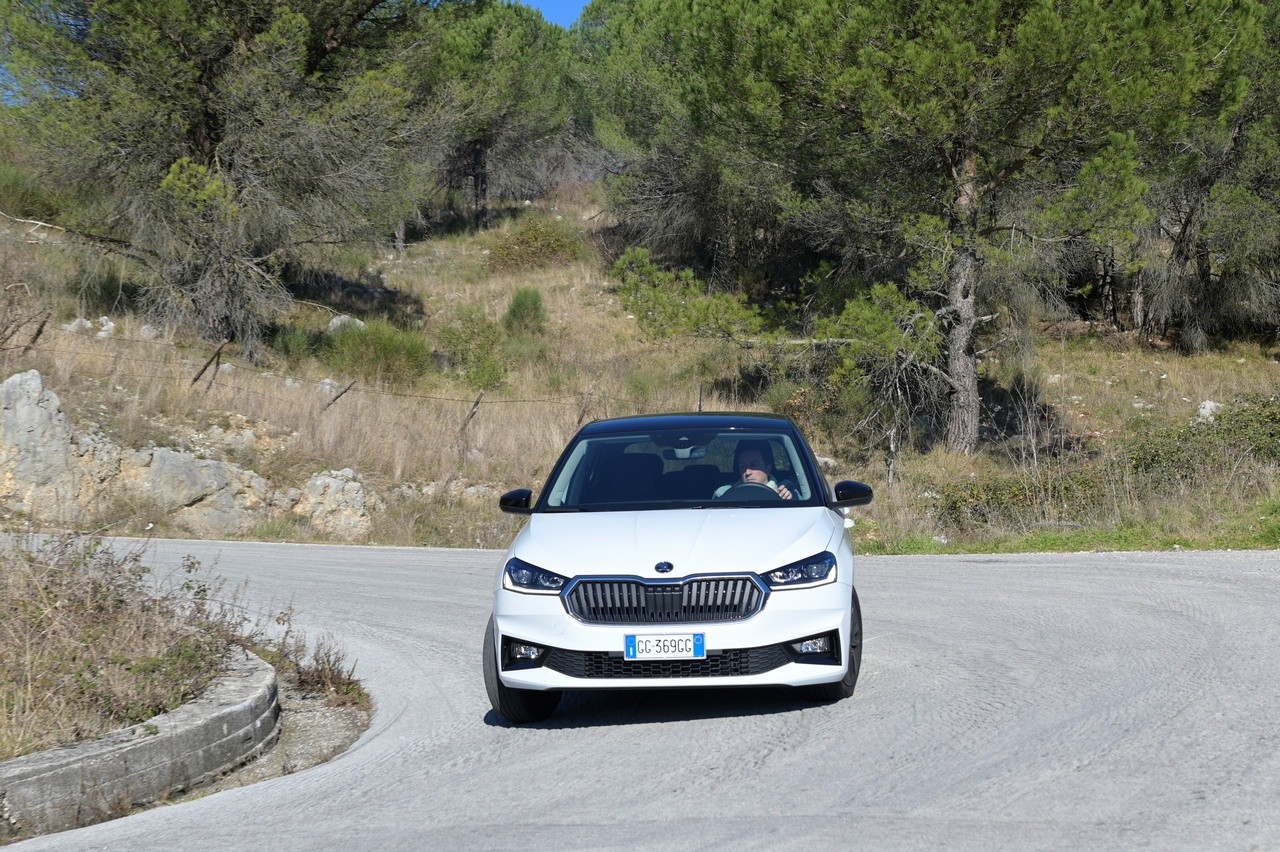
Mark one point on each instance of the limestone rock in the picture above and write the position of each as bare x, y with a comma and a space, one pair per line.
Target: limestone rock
46, 469
1208, 410
205, 496
337, 502
341, 321
56, 474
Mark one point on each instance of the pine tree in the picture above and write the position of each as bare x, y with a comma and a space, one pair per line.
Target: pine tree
209, 140
921, 143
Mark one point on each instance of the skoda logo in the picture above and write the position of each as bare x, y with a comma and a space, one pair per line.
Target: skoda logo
664, 567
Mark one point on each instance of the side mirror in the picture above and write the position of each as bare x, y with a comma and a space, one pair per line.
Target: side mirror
851, 493
518, 502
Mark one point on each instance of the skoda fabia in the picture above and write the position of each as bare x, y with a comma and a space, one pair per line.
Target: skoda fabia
679, 550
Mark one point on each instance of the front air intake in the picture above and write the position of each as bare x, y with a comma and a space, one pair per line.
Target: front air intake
700, 599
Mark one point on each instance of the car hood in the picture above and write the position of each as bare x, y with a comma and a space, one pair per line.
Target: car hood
694, 541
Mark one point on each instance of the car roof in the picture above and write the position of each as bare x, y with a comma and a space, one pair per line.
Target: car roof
720, 420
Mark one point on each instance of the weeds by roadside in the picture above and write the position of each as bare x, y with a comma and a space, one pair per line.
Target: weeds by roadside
91, 642
87, 646
318, 668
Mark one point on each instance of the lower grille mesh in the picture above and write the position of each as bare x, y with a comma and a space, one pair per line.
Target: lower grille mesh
599, 665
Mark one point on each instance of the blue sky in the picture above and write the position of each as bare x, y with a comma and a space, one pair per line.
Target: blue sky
562, 12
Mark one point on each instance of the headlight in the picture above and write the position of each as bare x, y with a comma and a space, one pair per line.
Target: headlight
520, 576
813, 571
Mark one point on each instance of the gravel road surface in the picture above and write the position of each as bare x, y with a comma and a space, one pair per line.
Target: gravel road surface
1100, 701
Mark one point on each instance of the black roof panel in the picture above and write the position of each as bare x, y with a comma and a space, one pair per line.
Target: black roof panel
719, 420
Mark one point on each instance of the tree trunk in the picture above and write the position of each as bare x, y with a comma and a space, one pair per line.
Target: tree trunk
1189, 282
480, 187
962, 359
1184, 280
1138, 306
1104, 264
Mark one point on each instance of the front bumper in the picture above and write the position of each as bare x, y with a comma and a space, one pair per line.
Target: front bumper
752, 652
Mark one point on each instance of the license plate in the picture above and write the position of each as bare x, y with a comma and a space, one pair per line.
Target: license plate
666, 646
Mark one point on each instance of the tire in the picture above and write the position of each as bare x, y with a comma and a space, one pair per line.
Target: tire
843, 688
517, 706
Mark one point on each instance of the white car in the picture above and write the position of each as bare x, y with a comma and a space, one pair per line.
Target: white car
677, 550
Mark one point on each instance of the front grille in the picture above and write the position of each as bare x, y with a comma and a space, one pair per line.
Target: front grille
600, 665
636, 602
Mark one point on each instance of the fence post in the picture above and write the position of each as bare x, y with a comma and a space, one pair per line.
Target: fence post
475, 406
39, 331
215, 357
338, 397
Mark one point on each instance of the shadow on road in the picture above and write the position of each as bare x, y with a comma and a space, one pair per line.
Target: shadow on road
607, 708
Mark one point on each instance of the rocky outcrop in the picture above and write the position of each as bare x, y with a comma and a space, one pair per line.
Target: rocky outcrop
337, 503
46, 468
56, 474
205, 496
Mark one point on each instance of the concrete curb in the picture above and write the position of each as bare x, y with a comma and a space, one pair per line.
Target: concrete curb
235, 719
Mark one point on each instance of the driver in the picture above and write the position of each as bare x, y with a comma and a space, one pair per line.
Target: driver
751, 461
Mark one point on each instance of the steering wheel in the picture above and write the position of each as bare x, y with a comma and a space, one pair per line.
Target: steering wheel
749, 491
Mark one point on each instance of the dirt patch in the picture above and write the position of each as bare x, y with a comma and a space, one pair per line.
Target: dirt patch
312, 731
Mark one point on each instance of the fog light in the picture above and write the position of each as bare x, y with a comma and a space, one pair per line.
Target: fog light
816, 645
520, 651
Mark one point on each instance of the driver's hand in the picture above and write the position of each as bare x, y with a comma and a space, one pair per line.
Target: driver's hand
784, 492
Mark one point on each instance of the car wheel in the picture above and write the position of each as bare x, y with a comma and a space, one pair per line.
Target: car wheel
517, 706
843, 688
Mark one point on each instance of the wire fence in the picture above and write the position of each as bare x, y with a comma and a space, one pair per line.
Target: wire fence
404, 433
214, 370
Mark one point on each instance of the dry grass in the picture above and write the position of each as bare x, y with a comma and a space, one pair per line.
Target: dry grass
315, 668
88, 644
439, 458
590, 363
91, 642
1105, 388
1100, 396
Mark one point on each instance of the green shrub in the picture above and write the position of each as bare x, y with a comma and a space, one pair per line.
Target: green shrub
379, 351
1268, 532
295, 343
984, 501
537, 241
525, 313
524, 349
1185, 453
670, 303
646, 384
1226, 459
471, 342
22, 196
1253, 423
1075, 493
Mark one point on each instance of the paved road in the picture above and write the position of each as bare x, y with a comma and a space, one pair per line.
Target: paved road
1100, 701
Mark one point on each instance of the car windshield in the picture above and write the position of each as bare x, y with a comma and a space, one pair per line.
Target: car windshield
682, 469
